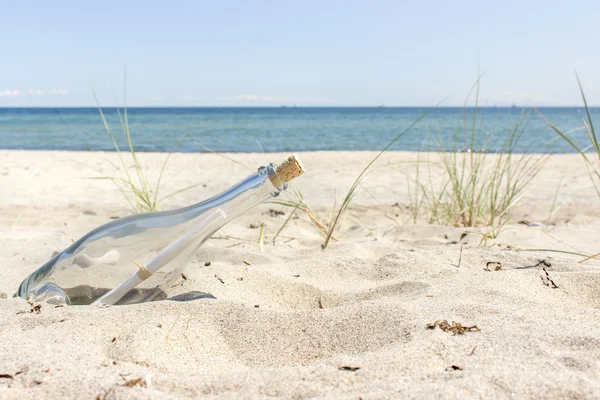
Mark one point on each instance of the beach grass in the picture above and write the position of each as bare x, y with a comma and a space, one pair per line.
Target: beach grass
296, 202
136, 188
592, 164
590, 155
350, 194
476, 188
328, 229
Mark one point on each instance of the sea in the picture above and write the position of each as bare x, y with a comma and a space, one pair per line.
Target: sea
284, 129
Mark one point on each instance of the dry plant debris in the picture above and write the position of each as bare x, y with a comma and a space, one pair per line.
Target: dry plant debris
540, 263
544, 263
261, 237
142, 363
12, 376
106, 393
529, 223
497, 266
141, 382
546, 280
35, 308
275, 213
460, 256
348, 368
456, 327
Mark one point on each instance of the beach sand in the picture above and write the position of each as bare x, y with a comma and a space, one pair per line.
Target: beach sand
298, 322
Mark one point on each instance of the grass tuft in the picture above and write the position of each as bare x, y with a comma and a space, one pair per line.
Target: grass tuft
327, 230
140, 195
298, 203
476, 188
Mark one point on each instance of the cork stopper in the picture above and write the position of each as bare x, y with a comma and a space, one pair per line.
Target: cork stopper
290, 169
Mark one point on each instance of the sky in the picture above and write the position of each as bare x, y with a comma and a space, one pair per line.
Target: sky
304, 53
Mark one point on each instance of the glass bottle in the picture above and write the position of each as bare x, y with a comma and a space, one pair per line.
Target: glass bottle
135, 258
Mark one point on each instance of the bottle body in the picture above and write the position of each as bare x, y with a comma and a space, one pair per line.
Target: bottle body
149, 251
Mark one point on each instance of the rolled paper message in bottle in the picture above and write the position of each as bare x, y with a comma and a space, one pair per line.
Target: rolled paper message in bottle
136, 258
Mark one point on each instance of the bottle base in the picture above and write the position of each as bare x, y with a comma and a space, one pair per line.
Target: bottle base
49, 293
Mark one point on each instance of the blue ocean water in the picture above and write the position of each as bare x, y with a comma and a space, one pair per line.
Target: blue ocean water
283, 129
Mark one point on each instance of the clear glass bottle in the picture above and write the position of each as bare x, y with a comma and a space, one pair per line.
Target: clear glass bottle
135, 258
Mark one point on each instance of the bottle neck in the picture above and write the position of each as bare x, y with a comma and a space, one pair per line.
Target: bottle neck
255, 189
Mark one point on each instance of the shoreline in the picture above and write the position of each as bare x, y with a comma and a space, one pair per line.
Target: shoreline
238, 129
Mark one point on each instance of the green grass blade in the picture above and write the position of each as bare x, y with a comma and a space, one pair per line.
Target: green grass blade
348, 197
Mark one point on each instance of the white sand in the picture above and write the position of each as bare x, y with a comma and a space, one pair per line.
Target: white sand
364, 302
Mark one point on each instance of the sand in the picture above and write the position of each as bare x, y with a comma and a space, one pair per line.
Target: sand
299, 322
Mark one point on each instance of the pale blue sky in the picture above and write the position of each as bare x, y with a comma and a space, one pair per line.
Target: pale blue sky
324, 53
